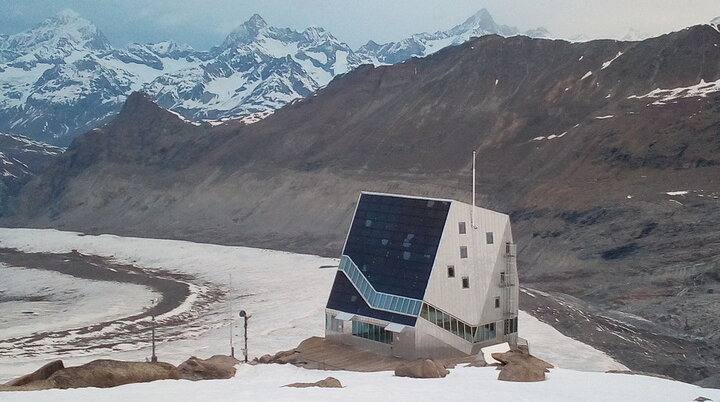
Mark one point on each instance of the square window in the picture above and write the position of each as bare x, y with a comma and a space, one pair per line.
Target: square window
451, 271
463, 252
497, 302
461, 228
489, 237
465, 282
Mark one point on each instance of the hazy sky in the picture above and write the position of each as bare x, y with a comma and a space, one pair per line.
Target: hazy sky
204, 23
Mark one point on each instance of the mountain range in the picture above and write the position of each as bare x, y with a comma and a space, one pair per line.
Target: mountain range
63, 77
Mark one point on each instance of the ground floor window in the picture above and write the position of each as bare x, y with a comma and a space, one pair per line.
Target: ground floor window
511, 325
372, 332
449, 323
485, 332
333, 324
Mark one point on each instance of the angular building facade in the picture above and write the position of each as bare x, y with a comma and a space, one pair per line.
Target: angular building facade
424, 277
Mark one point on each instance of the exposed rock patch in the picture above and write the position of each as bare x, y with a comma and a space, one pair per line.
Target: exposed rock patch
329, 382
111, 373
40, 374
422, 369
519, 366
216, 367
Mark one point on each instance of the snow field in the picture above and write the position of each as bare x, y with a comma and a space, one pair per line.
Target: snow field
286, 294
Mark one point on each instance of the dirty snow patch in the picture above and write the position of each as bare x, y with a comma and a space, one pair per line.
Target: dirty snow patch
702, 90
609, 62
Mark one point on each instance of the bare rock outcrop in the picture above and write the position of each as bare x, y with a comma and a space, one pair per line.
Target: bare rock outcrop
40, 374
216, 367
329, 382
519, 366
111, 373
422, 369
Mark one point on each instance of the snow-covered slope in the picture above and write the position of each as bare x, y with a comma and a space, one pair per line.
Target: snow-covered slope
63, 77
285, 293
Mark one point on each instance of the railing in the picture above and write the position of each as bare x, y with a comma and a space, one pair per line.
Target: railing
375, 299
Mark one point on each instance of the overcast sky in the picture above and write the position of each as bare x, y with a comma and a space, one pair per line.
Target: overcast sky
204, 23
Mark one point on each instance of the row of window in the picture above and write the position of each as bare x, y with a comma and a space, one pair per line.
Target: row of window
449, 323
377, 300
451, 274
372, 332
504, 279
462, 229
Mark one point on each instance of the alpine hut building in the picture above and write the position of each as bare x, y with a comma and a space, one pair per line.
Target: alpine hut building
424, 278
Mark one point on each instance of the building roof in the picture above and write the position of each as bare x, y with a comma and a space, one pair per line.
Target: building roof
393, 240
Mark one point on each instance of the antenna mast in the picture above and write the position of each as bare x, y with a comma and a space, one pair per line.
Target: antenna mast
472, 218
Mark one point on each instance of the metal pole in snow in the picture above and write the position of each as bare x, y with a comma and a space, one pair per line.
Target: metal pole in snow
232, 320
244, 315
153, 358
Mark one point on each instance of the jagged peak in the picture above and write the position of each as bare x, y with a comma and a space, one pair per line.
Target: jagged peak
247, 31
256, 21
317, 34
481, 17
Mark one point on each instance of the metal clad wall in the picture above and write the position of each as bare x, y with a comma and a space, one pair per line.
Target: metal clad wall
476, 304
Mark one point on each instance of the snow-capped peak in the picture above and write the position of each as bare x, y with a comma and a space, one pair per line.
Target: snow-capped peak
316, 34
479, 19
256, 21
56, 36
481, 23
247, 31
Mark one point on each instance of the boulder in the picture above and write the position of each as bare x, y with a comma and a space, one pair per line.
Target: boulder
519, 366
520, 372
264, 359
111, 373
43, 373
422, 369
216, 367
329, 382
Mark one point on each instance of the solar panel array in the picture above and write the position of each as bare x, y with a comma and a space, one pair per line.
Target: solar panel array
393, 241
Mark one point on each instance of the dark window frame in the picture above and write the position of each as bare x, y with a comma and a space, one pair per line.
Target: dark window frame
463, 252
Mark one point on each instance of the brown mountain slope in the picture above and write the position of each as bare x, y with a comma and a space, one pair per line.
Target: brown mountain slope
566, 140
